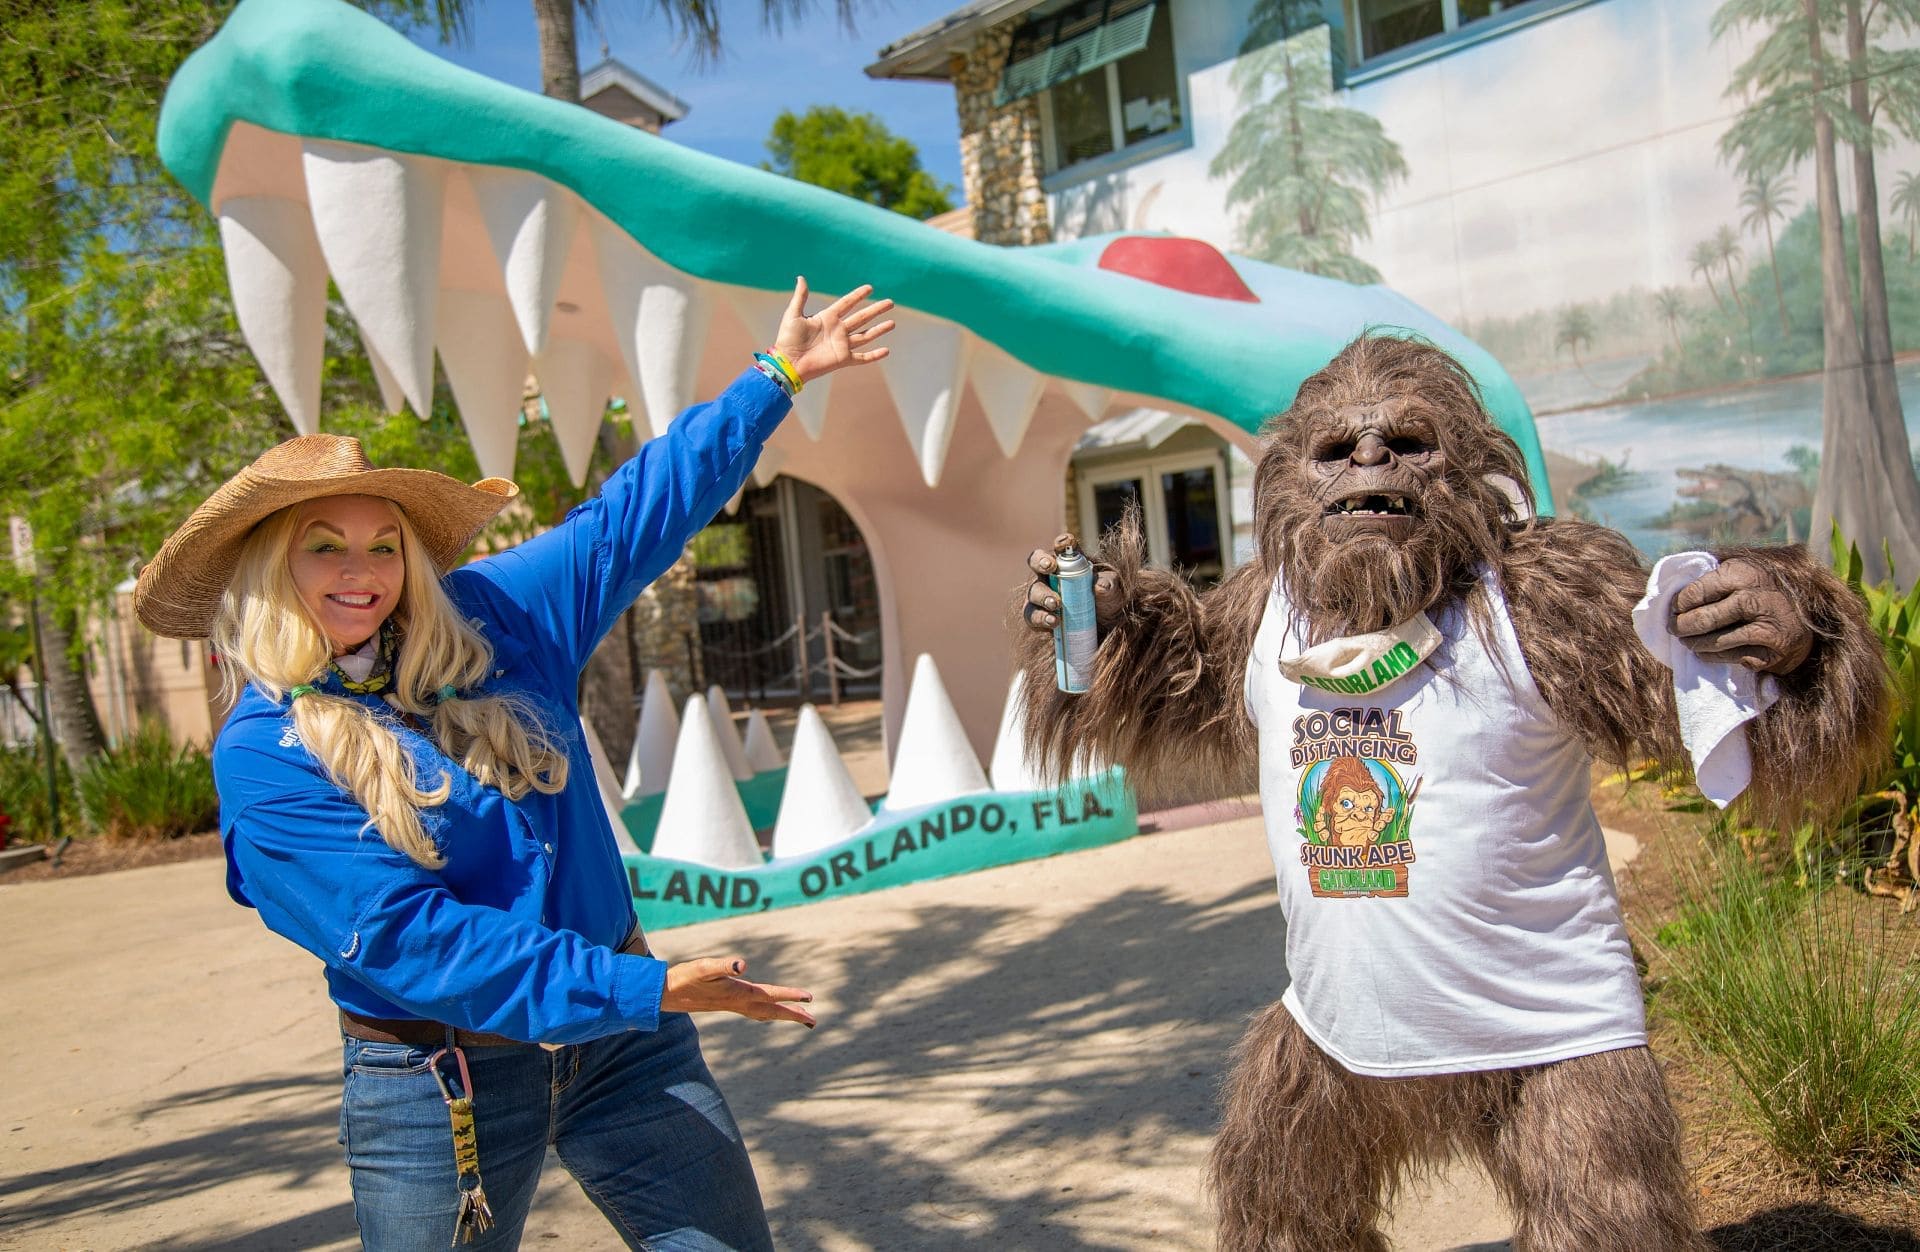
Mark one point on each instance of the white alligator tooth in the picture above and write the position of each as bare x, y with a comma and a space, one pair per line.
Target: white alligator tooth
767, 468
1088, 398
279, 282
702, 819
574, 378
934, 761
924, 373
609, 789
652, 759
722, 714
820, 805
392, 399
763, 753
810, 406
486, 366
377, 216
1008, 391
1010, 770
531, 223
624, 272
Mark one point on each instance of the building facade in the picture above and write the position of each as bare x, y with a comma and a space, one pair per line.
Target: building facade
1613, 196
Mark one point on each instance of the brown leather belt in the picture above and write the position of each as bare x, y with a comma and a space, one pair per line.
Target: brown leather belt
417, 1032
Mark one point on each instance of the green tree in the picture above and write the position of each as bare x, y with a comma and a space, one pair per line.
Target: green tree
1574, 330
126, 390
1799, 98
1906, 202
1703, 258
1764, 200
1671, 304
856, 155
1727, 252
1303, 166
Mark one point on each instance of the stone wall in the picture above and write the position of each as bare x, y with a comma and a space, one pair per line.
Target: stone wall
661, 631
1000, 155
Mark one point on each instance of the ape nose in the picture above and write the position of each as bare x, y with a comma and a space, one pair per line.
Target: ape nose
1371, 450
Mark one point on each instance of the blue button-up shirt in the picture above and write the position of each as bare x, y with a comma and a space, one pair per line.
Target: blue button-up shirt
515, 934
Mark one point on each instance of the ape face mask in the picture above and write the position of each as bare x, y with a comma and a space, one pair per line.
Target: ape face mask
1373, 499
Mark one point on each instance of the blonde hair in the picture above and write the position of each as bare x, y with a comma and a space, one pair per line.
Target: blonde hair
265, 636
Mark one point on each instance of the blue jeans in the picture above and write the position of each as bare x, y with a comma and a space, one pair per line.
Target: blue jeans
635, 1117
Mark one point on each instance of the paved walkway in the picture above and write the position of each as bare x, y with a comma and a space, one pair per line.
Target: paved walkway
1023, 1058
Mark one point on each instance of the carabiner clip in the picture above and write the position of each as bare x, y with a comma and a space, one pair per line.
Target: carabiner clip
466, 1080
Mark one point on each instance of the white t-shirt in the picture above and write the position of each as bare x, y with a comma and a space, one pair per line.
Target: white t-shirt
1444, 880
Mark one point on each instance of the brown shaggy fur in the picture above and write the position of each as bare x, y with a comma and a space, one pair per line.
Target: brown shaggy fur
1585, 1151
1166, 695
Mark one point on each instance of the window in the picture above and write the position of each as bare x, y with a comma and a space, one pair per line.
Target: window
1104, 74
1183, 506
1382, 26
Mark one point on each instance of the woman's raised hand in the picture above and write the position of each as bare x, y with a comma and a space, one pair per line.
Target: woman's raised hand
712, 984
836, 336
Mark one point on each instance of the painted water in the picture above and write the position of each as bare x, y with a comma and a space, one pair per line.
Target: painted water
1752, 428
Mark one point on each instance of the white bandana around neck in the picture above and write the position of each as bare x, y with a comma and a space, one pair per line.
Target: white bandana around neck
1359, 664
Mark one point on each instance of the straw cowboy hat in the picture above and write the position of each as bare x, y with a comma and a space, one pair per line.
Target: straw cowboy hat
178, 594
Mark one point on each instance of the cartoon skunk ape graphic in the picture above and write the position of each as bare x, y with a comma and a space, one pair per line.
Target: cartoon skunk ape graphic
1421, 678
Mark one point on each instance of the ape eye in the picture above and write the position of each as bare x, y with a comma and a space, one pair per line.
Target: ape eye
1406, 445
1338, 451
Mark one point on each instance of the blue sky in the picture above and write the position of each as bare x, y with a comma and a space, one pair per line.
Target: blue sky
733, 103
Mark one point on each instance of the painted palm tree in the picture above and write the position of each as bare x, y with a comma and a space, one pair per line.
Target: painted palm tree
1671, 304
1303, 167
1703, 258
1764, 200
1727, 251
1795, 92
1906, 203
1574, 330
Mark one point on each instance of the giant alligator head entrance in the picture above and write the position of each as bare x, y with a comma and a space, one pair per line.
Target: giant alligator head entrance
501, 229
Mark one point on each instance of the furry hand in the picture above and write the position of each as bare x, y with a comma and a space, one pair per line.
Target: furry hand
711, 984
1043, 602
833, 337
1737, 614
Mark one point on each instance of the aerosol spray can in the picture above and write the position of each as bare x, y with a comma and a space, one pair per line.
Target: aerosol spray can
1078, 634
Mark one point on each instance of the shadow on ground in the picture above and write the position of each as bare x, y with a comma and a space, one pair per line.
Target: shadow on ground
281, 1130
1098, 1033
1109, 1034
1810, 1228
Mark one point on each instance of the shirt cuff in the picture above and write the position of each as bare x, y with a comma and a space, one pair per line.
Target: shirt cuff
768, 403
638, 984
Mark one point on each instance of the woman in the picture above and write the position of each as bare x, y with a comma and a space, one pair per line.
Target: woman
406, 793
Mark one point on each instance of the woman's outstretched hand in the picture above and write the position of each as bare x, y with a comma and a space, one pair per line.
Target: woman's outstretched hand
836, 336
712, 984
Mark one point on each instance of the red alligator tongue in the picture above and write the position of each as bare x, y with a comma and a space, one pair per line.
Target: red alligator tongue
1191, 265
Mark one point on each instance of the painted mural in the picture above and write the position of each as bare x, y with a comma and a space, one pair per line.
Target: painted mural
1635, 207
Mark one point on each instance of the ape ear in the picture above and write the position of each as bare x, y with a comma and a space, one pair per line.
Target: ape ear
1516, 497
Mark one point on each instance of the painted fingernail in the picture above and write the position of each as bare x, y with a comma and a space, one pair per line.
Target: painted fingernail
738, 966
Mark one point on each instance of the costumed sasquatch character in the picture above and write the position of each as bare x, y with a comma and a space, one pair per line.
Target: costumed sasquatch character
1406, 646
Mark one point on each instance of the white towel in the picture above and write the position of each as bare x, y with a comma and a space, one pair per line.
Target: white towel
1715, 700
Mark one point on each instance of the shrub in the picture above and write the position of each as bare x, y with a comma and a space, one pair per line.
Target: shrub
23, 794
1799, 990
147, 789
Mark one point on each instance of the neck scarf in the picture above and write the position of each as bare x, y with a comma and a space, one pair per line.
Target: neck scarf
370, 669
1360, 664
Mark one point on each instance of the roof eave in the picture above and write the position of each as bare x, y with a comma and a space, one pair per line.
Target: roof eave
923, 54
